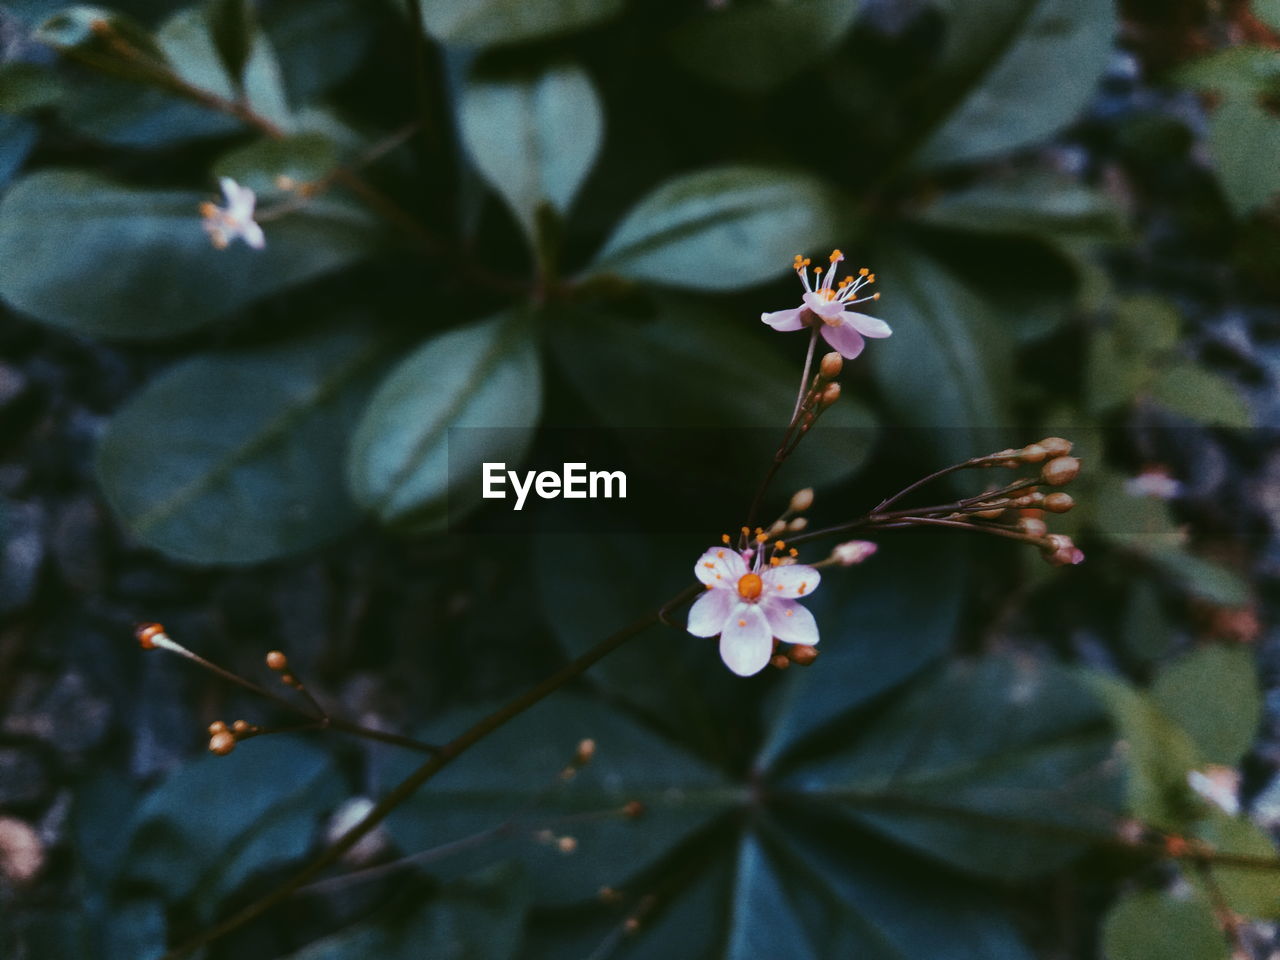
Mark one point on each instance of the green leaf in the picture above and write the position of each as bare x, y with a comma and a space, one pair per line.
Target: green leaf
1238, 72
1146, 630
1213, 695
1125, 358
1252, 891
1245, 139
413, 447
237, 457
997, 766
1268, 11
1158, 756
1155, 926
948, 364
258, 808
486, 22
101, 258
756, 46
1032, 73
480, 917
723, 229
534, 138
510, 784
875, 634
1200, 395
25, 87
715, 375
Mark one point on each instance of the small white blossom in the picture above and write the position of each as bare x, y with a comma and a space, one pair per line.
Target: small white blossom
824, 302
1154, 482
234, 221
750, 605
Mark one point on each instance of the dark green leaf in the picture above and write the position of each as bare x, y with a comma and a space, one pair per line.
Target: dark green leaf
1155, 926
1251, 891
723, 229
485, 22
82, 252
534, 138
1245, 139
1242, 73
998, 766
27, 86
1146, 630
948, 364
218, 820
510, 784
1031, 73
411, 449
756, 46
1268, 11
237, 457
1200, 394
1213, 695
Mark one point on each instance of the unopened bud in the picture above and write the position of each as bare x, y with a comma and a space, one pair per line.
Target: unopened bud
277, 661
779, 661
801, 500
830, 394
993, 514
586, 750
802, 654
832, 365
1060, 551
567, 845
633, 809
608, 895
147, 634
1033, 453
222, 743
1060, 470
798, 524
217, 727
1059, 502
1055, 446
242, 726
853, 552
1033, 526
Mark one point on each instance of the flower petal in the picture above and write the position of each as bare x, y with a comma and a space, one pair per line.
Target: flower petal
867, 325
845, 339
253, 235
747, 642
827, 309
792, 580
785, 319
789, 620
720, 567
709, 613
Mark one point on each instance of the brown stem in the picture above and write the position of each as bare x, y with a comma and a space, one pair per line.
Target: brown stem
410, 785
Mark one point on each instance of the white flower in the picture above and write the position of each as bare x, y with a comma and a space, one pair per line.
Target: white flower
235, 220
824, 303
1154, 482
748, 607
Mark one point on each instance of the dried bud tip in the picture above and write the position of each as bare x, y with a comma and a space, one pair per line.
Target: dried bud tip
147, 634
222, 743
1060, 470
831, 366
1055, 446
853, 552
633, 809
802, 654
277, 660
779, 661
1059, 502
801, 500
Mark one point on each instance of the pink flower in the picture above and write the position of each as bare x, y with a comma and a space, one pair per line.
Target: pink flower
748, 607
1061, 551
235, 220
824, 303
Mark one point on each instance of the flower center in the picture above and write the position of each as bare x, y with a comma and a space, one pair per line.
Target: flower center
750, 586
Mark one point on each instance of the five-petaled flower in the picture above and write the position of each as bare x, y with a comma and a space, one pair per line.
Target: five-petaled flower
235, 220
749, 604
825, 301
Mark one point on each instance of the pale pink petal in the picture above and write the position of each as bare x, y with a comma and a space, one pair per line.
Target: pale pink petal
720, 567
792, 580
785, 319
845, 339
746, 643
709, 612
253, 235
867, 325
789, 621
819, 304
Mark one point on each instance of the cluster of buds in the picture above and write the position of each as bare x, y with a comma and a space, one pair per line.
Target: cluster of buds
581, 757
223, 738
823, 392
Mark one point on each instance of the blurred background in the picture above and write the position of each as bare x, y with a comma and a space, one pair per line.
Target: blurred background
539, 214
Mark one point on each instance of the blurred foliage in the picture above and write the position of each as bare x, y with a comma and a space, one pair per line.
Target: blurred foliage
571, 212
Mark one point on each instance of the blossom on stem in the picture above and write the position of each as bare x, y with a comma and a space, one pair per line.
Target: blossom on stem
824, 303
234, 221
750, 600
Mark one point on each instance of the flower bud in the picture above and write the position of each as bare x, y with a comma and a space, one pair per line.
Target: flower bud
242, 726
222, 743
853, 552
1060, 551
1055, 446
802, 654
1060, 470
147, 634
798, 524
567, 845
995, 513
832, 365
1059, 502
633, 809
586, 750
1033, 453
830, 394
277, 661
217, 727
1033, 526
779, 661
801, 500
